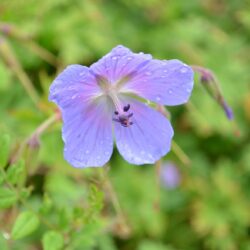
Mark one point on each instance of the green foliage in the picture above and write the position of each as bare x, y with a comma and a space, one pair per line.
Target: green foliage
46, 203
8, 197
15, 172
4, 149
52, 241
25, 224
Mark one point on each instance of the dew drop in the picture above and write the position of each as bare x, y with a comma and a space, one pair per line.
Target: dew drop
142, 152
188, 90
165, 70
82, 73
184, 70
148, 73
87, 152
6, 235
114, 57
170, 91
73, 97
158, 98
150, 156
106, 152
164, 62
129, 58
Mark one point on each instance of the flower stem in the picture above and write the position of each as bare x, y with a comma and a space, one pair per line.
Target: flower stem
11, 60
35, 135
12, 31
123, 225
180, 153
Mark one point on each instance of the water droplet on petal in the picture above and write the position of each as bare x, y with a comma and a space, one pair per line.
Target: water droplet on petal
150, 156
114, 57
188, 90
164, 62
148, 73
73, 97
158, 98
184, 70
129, 58
82, 73
106, 152
87, 152
170, 91
142, 152
165, 70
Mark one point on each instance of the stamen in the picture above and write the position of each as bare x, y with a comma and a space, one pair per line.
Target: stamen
115, 100
121, 115
126, 108
123, 118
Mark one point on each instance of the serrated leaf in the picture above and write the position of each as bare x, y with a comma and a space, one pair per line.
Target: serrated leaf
15, 171
7, 197
26, 223
52, 241
4, 149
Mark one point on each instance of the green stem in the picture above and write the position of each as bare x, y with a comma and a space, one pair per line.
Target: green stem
11, 60
36, 134
115, 201
180, 153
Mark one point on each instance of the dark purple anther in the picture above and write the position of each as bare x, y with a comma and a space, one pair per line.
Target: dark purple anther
126, 108
124, 119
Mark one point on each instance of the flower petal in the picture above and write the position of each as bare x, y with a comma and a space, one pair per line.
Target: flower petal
73, 86
147, 139
87, 134
119, 63
164, 82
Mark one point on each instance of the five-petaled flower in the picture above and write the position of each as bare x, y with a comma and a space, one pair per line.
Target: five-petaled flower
109, 98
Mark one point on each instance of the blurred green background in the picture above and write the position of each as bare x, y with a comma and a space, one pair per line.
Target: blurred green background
47, 204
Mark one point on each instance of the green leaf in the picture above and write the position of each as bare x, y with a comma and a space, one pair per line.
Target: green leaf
15, 172
7, 197
26, 223
3, 242
4, 149
2, 178
52, 241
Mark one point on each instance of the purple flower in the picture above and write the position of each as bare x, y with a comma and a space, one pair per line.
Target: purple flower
170, 175
107, 98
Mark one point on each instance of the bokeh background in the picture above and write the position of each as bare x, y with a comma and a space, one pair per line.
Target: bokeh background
47, 204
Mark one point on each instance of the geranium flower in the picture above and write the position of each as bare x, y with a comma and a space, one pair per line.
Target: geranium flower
108, 98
